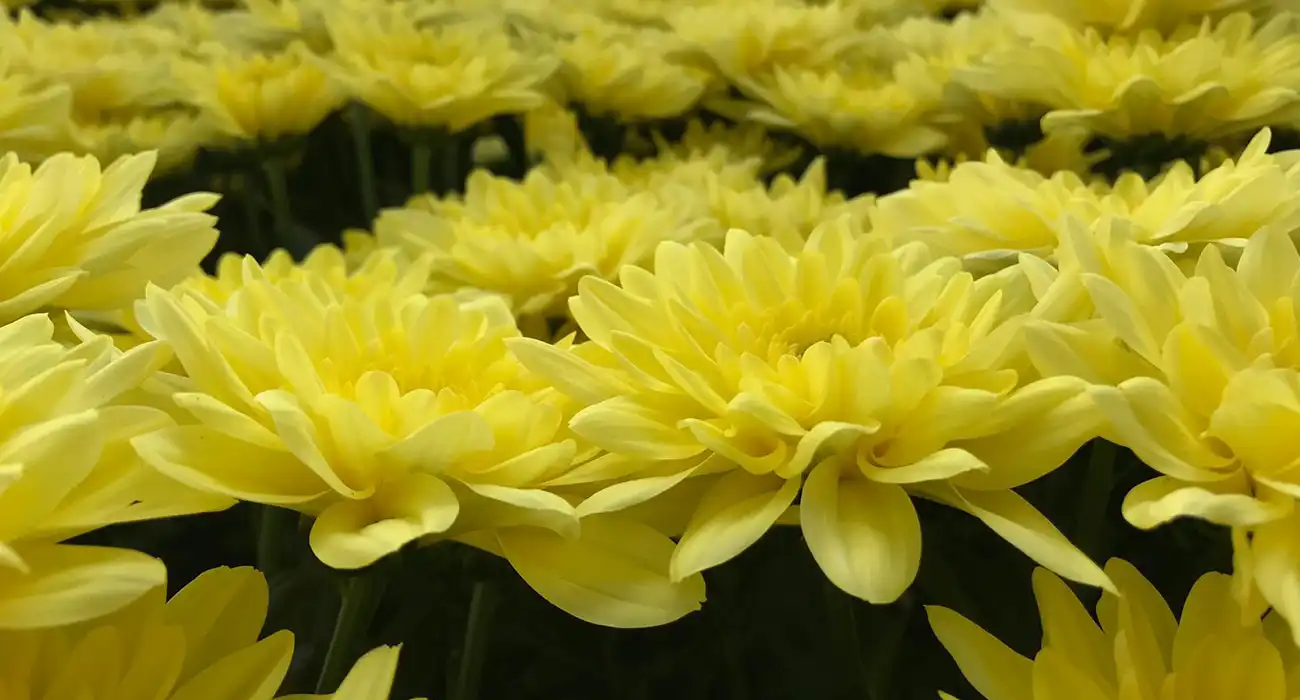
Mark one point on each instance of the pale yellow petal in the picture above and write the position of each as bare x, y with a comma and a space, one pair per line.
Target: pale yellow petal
997, 672
72, 583
735, 512
355, 534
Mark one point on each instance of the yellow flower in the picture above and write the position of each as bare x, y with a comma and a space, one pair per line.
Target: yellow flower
630, 74
176, 135
1126, 15
66, 467
73, 237
1200, 82
861, 374
35, 123
531, 241
1212, 651
262, 97
992, 210
203, 643
449, 75
393, 417
747, 38
856, 108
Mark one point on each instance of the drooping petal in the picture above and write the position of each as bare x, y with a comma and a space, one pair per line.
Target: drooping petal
865, 536
73, 583
356, 534
734, 513
1162, 499
997, 672
616, 573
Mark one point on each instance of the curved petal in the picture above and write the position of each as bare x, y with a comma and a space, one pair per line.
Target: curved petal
615, 574
356, 534
1275, 552
865, 536
73, 583
992, 667
220, 612
1067, 626
251, 673
734, 513
371, 677
1162, 499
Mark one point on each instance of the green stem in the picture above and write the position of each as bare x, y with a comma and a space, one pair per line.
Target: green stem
482, 605
449, 165
256, 237
359, 123
421, 155
1091, 526
891, 638
278, 185
275, 528
844, 630
361, 596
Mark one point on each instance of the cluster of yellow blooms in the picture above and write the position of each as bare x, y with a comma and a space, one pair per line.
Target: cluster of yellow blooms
618, 374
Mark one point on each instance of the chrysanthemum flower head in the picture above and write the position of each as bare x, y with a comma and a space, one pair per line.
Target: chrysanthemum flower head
391, 416
74, 237
630, 73
447, 75
861, 374
1135, 648
175, 134
531, 241
992, 209
1125, 15
262, 97
1200, 82
35, 121
68, 469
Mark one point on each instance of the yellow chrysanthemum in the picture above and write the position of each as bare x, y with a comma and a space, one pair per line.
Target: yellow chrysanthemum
991, 210
203, 643
746, 38
35, 123
1126, 15
1200, 82
66, 467
448, 76
1135, 648
858, 374
391, 417
1209, 392
262, 97
857, 108
630, 74
72, 237
531, 241
176, 135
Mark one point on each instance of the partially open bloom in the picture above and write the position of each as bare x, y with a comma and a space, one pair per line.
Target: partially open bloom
1200, 82
262, 97
531, 241
203, 643
448, 75
73, 237
67, 415
859, 374
392, 417
1135, 648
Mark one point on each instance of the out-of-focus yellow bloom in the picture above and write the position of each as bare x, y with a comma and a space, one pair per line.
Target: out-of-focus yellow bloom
630, 74
392, 417
74, 238
1126, 15
989, 210
203, 643
263, 97
448, 76
859, 108
35, 122
551, 133
745, 38
1213, 650
859, 374
176, 136
66, 467
371, 678
531, 241
788, 210
1201, 81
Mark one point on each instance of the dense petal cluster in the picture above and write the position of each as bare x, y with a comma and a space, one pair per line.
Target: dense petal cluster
862, 374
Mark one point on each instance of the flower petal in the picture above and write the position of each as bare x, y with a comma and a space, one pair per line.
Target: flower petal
991, 666
73, 583
355, 534
1162, 499
732, 516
